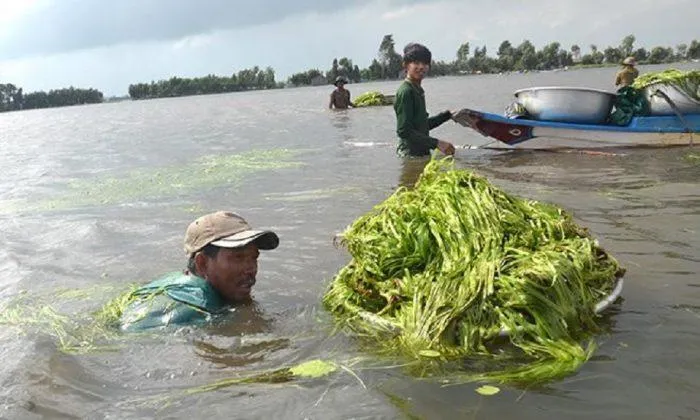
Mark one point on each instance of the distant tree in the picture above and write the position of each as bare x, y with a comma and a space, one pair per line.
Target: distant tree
641, 54
681, 51
596, 56
660, 55
462, 56
306, 78
36, 100
481, 62
345, 68
356, 76
614, 55
442, 68
527, 56
549, 57
587, 59
375, 70
576, 53
389, 59
693, 50
8, 92
627, 46
333, 72
268, 80
506, 56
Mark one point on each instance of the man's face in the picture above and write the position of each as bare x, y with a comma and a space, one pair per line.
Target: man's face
416, 70
232, 272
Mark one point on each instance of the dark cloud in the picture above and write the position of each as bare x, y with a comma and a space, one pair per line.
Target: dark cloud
67, 25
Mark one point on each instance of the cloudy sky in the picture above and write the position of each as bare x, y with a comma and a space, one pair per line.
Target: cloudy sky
108, 44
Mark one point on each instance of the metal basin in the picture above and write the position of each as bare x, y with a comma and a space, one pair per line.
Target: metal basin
567, 104
659, 106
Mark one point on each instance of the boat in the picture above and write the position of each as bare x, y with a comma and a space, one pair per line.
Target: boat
565, 117
535, 134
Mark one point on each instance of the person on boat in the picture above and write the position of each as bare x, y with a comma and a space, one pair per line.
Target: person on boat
626, 75
412, 121
340, 97
222, 251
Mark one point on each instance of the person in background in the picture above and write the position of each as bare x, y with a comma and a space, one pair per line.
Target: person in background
340, 97
222, 252
412, 121
626, 75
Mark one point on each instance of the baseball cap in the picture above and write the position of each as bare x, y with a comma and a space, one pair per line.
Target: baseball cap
227, 230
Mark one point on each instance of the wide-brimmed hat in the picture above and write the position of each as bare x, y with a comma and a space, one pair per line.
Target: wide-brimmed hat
340, 79
629, 61
227, 230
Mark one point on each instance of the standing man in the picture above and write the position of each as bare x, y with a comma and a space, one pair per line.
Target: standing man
340, 97
626, 76
222, 251
412, 121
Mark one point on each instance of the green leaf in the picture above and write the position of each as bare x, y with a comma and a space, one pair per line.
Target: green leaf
313, 369
429, 353
488, 390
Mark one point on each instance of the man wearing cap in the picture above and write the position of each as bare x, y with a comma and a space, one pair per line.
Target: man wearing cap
626, 76
223, 262
340, 97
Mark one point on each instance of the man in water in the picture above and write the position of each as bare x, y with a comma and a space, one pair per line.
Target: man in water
340, 97
223, 255
626, 76
412, 121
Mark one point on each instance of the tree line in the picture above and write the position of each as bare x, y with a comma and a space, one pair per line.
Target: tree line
247, 79
385, 66
13, 98
508, 58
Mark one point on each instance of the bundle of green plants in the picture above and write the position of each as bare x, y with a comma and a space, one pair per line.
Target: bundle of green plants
686, 81
457, 270
371, 99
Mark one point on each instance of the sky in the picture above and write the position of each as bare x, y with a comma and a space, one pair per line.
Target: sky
109, 44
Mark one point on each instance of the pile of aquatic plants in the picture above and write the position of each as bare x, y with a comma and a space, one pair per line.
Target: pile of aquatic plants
372, 98
446, 270
686, 81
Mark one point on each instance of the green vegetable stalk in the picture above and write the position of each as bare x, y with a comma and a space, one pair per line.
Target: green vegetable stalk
443, 271
686, 81
371, 99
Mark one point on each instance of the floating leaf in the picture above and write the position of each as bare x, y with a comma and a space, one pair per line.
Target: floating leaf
488, 390
313, 369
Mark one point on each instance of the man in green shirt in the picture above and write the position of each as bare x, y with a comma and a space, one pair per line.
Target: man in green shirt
223, 255
412, 121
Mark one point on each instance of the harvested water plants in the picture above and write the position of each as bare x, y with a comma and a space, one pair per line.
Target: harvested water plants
457, 279
456, 272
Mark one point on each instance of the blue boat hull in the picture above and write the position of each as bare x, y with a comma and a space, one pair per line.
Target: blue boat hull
524, 133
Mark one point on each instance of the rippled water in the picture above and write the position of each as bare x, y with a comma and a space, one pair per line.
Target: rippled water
97, 197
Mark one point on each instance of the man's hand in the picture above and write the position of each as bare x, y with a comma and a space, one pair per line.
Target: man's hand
446, 147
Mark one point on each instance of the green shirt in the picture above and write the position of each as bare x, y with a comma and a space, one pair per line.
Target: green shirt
175, 299
412, 121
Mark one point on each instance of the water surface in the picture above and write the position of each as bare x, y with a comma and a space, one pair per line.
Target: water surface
94, 198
